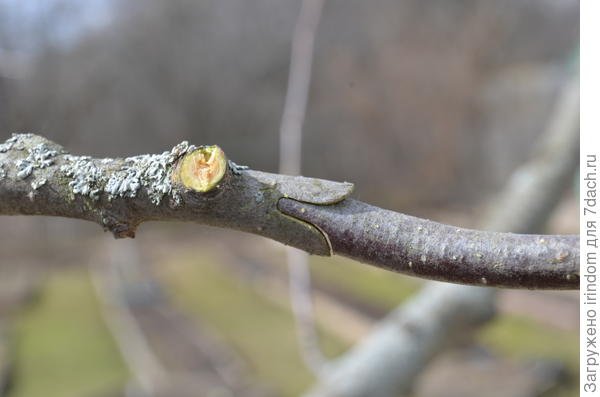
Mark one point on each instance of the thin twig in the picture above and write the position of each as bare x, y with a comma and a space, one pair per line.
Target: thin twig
148, 371
290, 162
296, 98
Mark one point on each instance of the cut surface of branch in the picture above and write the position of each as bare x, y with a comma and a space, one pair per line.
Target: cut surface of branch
202, 169
39, 177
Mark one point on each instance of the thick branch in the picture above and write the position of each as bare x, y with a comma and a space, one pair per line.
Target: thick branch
427, 249
38, 177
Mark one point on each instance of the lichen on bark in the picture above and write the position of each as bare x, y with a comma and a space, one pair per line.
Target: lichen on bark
121, 193
42, 178
124, 178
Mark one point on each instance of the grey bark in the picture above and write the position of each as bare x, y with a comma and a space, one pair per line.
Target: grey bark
426, 249
40, 178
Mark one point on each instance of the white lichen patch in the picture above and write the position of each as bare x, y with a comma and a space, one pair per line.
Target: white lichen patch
38, 157
16, 141
151, 172
237, 169
87, 179
123, 183
7, 145
38, 183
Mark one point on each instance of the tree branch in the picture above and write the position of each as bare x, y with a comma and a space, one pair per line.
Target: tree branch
38, 177
431, 250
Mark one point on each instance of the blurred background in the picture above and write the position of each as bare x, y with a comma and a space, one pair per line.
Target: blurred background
427, 106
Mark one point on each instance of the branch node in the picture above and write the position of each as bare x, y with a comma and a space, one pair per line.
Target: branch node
119, 228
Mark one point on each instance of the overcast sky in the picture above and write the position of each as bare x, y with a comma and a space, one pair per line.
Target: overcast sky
23, 20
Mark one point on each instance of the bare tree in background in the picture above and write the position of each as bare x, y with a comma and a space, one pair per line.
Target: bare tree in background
388, 362
294, 122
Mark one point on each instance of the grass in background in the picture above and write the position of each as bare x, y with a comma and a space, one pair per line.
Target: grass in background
64, 348
512, 336
524, 339
509, 336
375, 286
261, 331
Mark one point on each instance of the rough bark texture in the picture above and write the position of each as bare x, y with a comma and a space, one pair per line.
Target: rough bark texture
38, 177
426, 249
